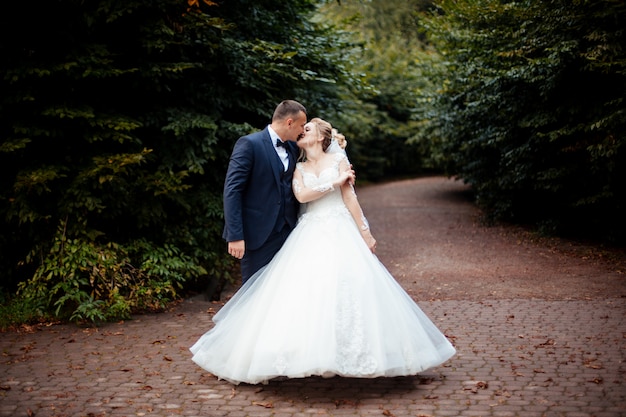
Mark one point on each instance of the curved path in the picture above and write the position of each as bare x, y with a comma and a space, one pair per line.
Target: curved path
538, 324
433, 241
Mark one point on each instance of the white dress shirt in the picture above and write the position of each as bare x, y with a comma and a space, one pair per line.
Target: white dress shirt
281, 151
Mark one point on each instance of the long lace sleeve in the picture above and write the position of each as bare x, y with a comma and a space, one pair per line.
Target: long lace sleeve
312, 192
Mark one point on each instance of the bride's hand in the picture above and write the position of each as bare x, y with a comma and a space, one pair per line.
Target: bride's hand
345, 176
369, 240
352, 180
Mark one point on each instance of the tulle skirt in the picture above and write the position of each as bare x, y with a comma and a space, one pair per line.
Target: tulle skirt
325, 305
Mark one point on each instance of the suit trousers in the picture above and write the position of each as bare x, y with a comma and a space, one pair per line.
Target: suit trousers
253, 260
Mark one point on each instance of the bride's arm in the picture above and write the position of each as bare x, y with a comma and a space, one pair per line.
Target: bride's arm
352, 203
305, 194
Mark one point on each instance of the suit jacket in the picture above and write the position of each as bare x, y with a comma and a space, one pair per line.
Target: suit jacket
254, 195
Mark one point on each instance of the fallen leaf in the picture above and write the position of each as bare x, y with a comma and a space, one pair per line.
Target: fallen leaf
549, 342
339, 403
503, 393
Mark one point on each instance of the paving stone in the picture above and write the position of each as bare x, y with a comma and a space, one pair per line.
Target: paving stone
554, 358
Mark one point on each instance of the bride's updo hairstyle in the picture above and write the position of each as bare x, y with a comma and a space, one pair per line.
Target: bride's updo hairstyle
329, 133
341, 139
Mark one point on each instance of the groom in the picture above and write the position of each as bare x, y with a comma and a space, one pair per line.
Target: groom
260, 209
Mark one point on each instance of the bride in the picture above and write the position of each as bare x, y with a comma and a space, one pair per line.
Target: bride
325, 305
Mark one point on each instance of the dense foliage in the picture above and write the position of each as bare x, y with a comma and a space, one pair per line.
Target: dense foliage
387, 46
529, 109
117, 119
116, 122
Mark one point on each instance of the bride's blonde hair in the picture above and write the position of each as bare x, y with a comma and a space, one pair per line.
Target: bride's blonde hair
340, 138
329, 133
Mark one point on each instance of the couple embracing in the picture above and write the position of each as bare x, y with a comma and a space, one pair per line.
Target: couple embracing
315, 299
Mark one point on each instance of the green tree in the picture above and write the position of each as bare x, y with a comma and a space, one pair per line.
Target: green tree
529, 109
115, 129
386, 47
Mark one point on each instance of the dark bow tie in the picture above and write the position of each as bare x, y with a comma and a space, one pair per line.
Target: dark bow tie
280, 143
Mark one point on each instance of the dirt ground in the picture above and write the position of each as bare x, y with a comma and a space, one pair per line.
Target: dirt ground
431, 238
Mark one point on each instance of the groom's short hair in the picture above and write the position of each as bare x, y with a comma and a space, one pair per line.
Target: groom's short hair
287, 108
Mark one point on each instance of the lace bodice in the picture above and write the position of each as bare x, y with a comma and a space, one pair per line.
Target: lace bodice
353, 352
329, 204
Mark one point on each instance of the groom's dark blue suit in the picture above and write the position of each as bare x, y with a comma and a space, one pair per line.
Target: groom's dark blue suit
259, 205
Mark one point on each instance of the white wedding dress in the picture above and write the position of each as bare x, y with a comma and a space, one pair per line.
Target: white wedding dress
325, 305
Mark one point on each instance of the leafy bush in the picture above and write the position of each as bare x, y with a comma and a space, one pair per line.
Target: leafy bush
528, 107
83, 280
16, 311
